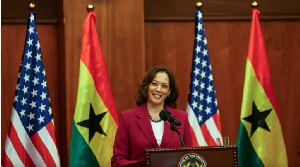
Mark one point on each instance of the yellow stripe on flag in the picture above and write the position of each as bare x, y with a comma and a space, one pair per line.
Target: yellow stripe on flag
100, 144
266, 144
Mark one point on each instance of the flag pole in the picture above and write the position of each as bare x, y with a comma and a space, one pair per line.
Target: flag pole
254, 4
202, 106
31, 7
31, 137
90, 7
198, 5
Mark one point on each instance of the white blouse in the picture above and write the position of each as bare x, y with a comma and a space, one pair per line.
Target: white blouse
158, 129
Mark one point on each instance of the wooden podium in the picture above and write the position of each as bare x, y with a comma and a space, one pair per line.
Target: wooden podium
212, 156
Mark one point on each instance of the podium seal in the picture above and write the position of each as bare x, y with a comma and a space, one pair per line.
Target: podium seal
192, 160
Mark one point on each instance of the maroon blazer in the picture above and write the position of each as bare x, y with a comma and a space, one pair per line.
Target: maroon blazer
135, 134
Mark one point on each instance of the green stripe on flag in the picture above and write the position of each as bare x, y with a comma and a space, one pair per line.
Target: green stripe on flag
246, 154
81, 153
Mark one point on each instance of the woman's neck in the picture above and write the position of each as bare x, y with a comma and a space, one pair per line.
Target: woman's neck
154, 108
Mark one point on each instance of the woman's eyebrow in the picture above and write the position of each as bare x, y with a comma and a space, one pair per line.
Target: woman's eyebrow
161, 82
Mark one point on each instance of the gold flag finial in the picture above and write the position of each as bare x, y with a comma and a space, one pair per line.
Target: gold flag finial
90, 7
31, 6
198, 5
254, 4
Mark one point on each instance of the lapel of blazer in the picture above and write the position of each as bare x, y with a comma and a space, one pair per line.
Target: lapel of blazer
145, 124
167, 130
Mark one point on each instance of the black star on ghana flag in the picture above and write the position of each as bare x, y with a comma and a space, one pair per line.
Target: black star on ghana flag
258, 119
93, 123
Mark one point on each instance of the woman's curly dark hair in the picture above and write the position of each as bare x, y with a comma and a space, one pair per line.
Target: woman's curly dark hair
142, 96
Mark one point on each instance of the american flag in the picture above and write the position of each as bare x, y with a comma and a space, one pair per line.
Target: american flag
202, 103
31, 137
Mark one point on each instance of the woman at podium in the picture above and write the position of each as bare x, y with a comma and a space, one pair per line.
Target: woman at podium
142, 127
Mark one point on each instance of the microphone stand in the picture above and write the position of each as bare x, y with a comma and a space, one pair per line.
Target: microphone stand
176, 130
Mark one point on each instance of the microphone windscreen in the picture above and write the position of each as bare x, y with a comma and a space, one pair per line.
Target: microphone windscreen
163, 114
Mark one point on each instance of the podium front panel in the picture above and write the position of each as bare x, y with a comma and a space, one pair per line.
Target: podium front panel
212, 156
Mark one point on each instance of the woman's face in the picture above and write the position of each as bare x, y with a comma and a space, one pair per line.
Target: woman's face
159, 89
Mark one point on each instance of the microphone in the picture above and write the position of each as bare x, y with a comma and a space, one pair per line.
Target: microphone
165, 115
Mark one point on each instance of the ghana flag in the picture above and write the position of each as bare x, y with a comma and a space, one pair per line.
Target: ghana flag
260, 141
96, 119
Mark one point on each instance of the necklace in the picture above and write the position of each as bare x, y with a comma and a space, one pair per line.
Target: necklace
153, 119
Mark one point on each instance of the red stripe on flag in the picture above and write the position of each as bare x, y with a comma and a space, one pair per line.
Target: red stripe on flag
194, 139
50, 128
217, 121
15, 141
6, 161
206, 135
42, 149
